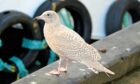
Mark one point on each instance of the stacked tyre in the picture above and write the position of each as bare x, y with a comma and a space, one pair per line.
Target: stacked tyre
17, 30
109, 16
122, 13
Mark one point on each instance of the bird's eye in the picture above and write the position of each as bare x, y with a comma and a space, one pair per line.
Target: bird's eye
48, 14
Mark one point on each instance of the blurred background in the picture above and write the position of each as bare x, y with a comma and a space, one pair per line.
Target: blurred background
23, 48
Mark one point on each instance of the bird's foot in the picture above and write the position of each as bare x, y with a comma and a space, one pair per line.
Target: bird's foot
55, 72
63, 69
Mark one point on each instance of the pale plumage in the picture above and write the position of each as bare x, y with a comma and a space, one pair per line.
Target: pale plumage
68, 44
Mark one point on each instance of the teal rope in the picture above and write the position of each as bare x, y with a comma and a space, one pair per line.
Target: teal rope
69, 20
127, 20
2, 65
20, 65
34, 44
66, 18
52, 57
37, 63
5, 66
0, 43
9, 67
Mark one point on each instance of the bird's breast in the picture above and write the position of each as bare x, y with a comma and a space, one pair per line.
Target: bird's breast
50, 36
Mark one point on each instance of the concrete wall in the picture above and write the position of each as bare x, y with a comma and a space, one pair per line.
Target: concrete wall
122, 56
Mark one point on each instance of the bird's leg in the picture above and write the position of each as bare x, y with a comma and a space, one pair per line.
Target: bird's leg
64, 69
57, 72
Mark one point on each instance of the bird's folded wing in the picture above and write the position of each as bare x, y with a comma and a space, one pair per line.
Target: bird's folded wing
69, 40
74, 45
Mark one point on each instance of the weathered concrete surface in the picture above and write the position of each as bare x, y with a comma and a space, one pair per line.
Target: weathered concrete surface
132, 77
123, 55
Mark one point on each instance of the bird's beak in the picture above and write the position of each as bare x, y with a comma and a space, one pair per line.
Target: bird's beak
38, 18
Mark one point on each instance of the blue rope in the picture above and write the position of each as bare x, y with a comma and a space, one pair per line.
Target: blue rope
20, 65
34, 44
52, 57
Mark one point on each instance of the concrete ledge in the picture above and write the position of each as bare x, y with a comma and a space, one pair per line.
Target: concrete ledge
123, 55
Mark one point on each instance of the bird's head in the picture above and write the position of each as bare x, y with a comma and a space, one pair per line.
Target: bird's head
49, 17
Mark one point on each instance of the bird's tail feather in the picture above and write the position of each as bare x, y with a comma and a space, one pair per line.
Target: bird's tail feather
108, 71
100, 68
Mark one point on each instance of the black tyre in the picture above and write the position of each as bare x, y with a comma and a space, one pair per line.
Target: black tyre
12, 37
117, 11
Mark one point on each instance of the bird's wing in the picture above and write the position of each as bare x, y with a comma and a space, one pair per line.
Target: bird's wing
68, 39
73, 45
93, 52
